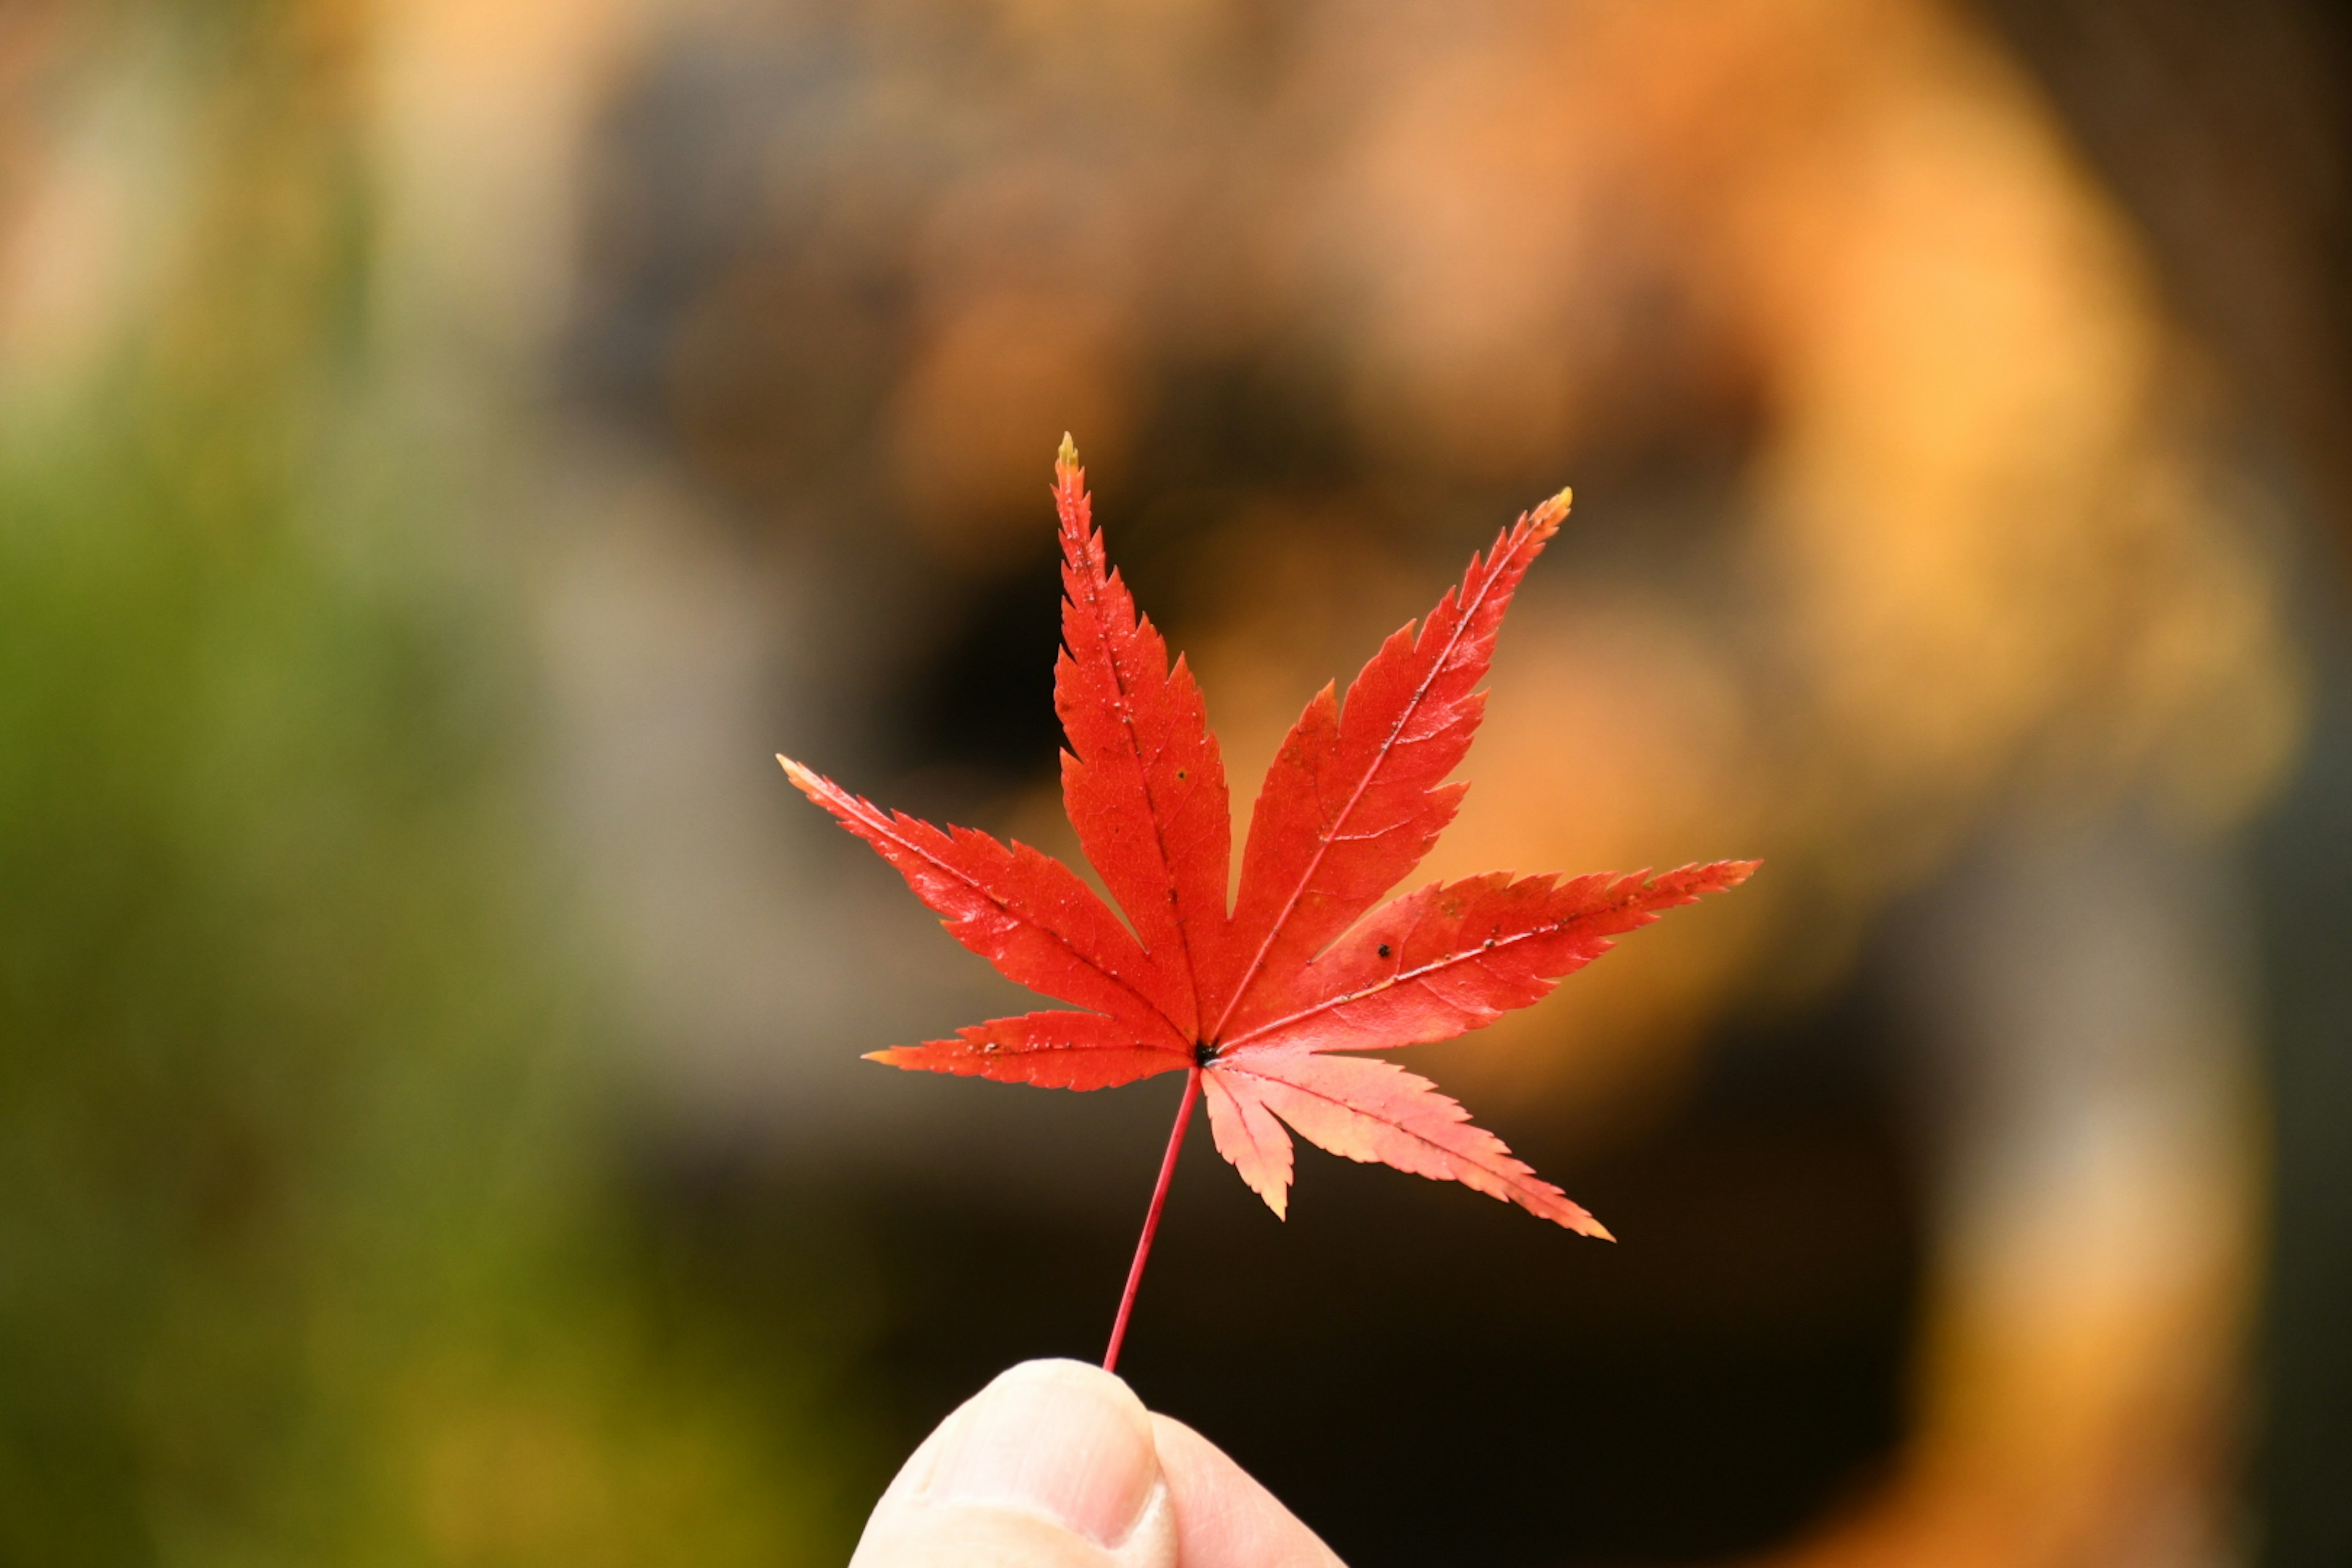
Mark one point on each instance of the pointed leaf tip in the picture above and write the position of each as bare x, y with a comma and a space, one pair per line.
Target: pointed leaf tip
1067, 456
805, 780
1545, 518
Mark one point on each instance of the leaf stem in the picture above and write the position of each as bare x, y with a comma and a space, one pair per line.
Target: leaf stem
1151, 1219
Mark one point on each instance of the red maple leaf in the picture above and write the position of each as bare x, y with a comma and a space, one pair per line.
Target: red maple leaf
1250, 1003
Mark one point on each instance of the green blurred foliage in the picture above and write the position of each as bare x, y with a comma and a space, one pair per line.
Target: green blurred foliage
310, 1246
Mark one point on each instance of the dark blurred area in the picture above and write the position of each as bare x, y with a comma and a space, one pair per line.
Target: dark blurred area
447, 448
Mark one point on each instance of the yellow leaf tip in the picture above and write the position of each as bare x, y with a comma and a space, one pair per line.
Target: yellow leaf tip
1546, 516
1067, 458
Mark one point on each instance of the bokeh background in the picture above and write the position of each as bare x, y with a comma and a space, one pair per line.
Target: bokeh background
447, 447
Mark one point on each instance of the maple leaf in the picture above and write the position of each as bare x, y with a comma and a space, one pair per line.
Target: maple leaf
1257, 1004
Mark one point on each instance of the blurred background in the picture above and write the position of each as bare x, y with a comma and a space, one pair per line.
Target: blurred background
445, 449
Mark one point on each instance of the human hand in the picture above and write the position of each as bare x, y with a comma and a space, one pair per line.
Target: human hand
1059, 1465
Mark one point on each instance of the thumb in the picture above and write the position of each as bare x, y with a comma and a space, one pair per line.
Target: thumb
1051, 1465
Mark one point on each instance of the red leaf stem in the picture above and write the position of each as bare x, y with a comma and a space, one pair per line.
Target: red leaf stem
1151, 1219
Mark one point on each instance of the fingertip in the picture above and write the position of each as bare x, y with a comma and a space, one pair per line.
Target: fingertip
1054, 1462
1224, 1518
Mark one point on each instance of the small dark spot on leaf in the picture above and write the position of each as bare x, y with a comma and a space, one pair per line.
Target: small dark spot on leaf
1384, 949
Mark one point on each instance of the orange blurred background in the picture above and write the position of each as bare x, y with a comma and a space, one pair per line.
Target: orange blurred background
450, 447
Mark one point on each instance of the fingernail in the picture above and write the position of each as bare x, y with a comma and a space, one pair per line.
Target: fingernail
1055, 1437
